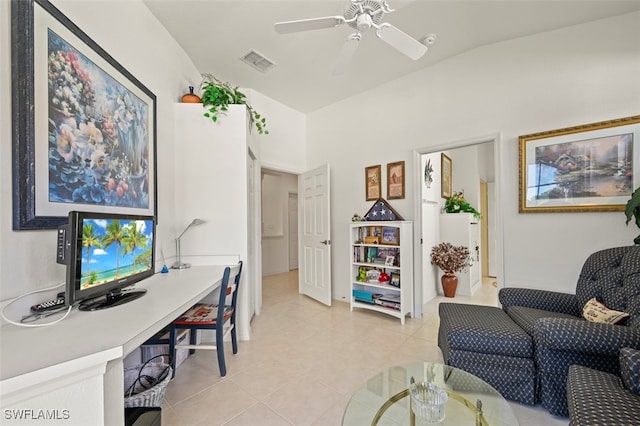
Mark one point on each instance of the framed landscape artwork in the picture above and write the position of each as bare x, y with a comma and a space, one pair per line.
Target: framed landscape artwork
84, 134
372, 180
395, 180
583, 168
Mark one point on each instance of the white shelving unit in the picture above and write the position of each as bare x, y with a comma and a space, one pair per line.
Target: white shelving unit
463, 229
385, 247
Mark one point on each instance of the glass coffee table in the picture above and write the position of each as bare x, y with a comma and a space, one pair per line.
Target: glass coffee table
384, 399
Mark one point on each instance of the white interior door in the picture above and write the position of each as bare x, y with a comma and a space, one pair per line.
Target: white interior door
314, 273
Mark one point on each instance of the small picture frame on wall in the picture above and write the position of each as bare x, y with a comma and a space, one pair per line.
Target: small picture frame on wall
395, 180
372, 182
446, 174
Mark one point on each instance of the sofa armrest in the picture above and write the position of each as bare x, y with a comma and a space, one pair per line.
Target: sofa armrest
539, 299
585, 337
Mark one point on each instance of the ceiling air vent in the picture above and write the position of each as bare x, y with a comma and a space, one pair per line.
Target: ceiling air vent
258, 61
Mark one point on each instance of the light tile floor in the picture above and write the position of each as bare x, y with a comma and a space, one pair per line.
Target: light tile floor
304, 360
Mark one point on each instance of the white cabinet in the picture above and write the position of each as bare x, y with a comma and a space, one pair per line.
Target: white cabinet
379, 248
463, 229
212, 183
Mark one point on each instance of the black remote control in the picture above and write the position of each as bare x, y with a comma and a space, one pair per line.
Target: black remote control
49, 305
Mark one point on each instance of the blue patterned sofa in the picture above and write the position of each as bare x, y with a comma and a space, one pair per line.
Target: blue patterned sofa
525, 349
598, 398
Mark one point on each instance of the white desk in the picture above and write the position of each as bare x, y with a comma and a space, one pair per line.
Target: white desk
76, 365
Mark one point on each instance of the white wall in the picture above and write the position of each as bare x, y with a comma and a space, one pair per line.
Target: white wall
542, 82
275, 249
142, 46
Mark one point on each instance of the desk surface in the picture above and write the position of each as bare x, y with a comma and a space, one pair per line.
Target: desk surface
24, 350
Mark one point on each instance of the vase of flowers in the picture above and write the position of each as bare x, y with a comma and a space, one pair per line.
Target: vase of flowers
450, 259
457, 204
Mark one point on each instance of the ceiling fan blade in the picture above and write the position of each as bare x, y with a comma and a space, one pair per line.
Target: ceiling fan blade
401, 41
346, 54
308, 24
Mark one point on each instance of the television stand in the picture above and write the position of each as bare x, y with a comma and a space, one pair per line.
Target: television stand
110, 300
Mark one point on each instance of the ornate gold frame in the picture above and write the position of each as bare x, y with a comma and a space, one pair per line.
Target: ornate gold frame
579, 144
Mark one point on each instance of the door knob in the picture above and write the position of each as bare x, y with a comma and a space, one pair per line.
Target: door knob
325, 242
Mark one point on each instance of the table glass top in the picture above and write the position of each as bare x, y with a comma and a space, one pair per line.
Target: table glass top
384, 400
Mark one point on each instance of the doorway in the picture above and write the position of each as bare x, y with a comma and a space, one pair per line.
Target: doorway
473, 163
278, 190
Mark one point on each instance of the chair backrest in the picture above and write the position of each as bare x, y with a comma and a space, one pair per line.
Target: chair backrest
229, 288
613, 277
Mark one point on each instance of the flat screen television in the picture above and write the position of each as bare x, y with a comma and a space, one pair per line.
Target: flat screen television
104, 254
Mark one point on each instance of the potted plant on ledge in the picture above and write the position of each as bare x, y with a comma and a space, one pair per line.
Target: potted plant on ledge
457, 204
450, 259
218, 95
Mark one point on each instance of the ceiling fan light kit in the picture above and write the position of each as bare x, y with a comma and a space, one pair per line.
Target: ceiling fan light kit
362, 15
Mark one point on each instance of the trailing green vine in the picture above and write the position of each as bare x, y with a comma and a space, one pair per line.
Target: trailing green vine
217, 95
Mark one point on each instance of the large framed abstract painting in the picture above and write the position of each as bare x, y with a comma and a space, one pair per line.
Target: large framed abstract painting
593, 167
84, 128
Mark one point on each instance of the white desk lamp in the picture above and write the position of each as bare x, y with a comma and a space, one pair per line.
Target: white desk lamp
178, 263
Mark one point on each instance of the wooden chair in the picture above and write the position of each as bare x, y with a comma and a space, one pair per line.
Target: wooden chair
204, 316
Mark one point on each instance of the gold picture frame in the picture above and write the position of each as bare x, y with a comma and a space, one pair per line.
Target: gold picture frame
583, 168
446, 175
372, 182
395, 180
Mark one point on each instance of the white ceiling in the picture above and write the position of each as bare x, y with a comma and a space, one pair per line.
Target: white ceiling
216, 33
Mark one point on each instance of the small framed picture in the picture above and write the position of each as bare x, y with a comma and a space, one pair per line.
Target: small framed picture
395, 279
390, 235
388, 261
372, 181
395, 180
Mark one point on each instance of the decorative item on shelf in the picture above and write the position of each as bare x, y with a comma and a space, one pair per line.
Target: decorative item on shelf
395, 279
450, 259
218, 95
373, 275
356, 218
384, 277
362, 274
372, 239
633, 210
191, 98
381, 210
457, 204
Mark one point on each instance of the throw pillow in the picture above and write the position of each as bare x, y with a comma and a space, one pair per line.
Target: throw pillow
596, 312
630, 369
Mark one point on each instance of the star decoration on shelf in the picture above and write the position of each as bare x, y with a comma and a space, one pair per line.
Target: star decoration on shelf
381, 210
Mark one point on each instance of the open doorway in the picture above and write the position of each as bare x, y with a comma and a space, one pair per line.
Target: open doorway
279, 217
474, 173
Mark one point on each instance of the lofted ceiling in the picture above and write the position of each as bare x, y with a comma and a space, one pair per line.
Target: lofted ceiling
217, 33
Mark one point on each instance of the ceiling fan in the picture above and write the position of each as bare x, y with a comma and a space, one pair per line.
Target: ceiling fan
361, 15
